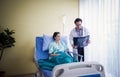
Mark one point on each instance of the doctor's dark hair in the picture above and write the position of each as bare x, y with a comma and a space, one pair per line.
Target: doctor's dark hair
77, 20
55, 34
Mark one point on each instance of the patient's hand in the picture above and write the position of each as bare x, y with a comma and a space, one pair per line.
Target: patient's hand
57, 54
54, 54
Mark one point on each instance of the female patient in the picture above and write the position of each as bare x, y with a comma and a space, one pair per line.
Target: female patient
57, 50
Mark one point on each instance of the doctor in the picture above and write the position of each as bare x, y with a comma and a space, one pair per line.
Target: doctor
78, 31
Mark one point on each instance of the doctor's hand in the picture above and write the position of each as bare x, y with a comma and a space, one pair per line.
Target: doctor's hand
88, 42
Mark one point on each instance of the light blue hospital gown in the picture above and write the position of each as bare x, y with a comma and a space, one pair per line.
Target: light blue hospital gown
54, 47
59, 49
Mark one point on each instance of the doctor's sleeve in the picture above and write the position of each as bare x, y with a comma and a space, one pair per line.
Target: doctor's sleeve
71, 38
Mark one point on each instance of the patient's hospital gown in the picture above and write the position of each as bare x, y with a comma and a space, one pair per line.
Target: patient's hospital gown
55, 48
48, 64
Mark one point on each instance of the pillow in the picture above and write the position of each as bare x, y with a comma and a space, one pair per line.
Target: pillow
48, 39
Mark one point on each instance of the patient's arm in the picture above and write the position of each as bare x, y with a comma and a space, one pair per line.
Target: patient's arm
54, 54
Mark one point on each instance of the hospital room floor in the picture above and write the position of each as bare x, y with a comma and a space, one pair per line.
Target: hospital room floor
26, 75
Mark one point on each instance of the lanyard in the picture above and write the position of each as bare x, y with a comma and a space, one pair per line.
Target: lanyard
80, 32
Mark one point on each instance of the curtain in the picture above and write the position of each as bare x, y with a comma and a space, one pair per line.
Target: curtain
102, 18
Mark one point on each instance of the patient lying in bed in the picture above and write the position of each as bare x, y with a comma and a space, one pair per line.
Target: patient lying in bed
57, 50
58, 54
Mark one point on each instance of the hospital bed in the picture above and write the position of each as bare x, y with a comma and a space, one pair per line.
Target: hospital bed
66, 68
79, 69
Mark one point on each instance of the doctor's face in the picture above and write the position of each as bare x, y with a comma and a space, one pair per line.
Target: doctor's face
78, 24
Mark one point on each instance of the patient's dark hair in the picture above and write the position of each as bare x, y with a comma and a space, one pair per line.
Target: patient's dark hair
77, 20
55, 34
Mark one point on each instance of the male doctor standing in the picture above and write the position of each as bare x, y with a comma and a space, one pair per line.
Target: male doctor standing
78, 31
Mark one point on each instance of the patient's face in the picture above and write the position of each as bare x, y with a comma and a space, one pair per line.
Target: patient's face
57, 38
